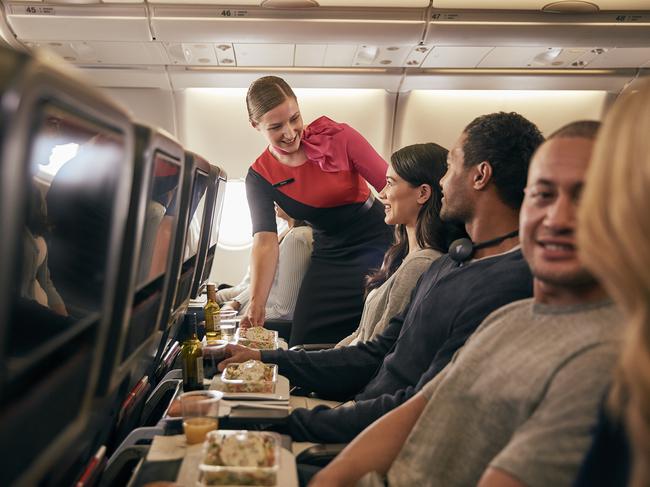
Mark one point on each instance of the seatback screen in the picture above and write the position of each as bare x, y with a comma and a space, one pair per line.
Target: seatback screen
74, 172
161, 214
195, 218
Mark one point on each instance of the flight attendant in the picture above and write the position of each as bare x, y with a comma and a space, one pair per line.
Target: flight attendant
318, 173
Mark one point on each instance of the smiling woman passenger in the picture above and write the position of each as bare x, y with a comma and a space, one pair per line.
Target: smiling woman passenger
317, 173
412, 199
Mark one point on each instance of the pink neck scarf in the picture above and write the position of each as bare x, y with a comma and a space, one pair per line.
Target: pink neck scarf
316, 142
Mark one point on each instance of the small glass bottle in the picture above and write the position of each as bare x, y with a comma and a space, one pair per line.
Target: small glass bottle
192, 356
212, 316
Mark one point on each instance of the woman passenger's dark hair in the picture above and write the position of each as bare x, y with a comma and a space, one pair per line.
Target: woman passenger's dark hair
265, 94
419, 164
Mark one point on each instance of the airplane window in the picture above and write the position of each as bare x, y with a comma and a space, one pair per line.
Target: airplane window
236, 227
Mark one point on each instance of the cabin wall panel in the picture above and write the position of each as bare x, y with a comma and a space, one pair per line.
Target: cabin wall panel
148, 105
214, 123
440, 115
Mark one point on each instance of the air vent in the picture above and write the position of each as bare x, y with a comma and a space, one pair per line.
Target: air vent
571, 7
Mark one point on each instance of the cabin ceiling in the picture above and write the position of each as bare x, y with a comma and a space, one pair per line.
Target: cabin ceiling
391, 44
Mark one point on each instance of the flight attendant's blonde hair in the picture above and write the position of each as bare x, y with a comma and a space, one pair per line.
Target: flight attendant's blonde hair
614, 241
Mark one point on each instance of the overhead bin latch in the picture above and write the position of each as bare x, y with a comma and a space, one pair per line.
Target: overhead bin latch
571, 7
289, 3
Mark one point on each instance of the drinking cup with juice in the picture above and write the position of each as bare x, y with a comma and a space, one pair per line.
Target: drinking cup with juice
200, 411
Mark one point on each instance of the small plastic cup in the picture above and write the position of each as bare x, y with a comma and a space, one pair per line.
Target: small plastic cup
200, 411
227, 314
228, 328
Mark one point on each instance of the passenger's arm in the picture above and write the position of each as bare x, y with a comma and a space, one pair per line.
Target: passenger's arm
493, 477
342, 424
229, 293
264, 258
337, 373
375, 449
243, 298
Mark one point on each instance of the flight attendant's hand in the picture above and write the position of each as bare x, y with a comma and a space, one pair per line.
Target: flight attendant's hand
254, 316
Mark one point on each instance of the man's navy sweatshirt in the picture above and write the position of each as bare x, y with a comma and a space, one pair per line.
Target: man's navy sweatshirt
447, 305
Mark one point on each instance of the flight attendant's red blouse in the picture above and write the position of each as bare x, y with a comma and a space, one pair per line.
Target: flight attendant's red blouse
328, 186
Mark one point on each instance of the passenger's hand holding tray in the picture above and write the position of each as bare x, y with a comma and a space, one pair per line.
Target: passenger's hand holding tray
250, 376
240, 458
257, 337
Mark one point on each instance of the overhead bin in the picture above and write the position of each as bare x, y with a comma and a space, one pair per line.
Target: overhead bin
623, 58
199, 77
54, 22
378, 26
520, 28
307, 3
136, 77
517, 79
548, 5
105, 52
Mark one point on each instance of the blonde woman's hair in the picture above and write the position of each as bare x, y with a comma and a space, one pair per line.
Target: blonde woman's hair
614, 241
265, 94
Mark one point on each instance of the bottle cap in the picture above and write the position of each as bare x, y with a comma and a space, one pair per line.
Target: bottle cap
212, 291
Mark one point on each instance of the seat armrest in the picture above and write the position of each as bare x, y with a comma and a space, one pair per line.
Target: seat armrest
320, 455
159, 400
122, 465
311, 347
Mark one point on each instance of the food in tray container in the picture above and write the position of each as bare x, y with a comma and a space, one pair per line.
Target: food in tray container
258, 337
250, 376
240, 458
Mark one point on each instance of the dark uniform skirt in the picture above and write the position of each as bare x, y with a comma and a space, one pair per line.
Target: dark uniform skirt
330, 300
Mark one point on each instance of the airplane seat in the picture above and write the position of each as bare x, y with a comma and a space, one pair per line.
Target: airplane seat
159, 400
130, 412
120, 471
283, 327
139, 436
66, 143
312, 347
320, 455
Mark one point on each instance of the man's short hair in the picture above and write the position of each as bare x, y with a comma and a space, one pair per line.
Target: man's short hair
507, 141
584, 129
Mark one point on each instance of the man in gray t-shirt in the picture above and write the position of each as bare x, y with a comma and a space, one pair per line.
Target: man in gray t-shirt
513, 402
516, 404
